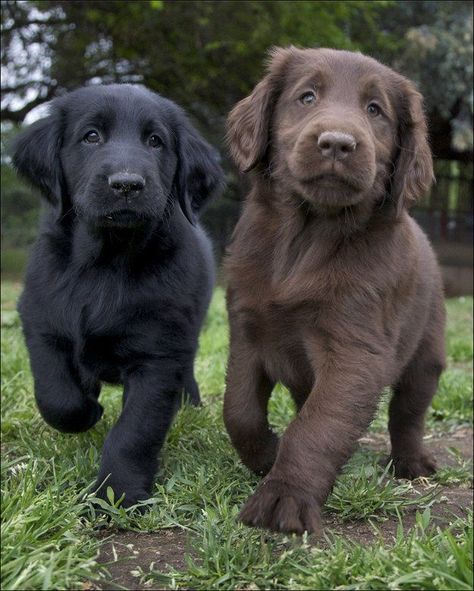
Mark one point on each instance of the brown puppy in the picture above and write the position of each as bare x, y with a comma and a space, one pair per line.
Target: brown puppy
334, 290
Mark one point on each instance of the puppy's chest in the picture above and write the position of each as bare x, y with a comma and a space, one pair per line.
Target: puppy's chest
84, 306
100, 318
278, 334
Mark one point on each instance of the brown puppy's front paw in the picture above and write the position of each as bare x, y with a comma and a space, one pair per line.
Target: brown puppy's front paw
281, 507
412, 467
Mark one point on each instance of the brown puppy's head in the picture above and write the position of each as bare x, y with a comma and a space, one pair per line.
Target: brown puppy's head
334, 128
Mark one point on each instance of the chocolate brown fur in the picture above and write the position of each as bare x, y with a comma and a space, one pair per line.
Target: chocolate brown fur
333, 289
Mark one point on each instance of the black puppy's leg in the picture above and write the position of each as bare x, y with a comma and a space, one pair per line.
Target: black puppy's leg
411, 397
65, 402
191, 388
130, 452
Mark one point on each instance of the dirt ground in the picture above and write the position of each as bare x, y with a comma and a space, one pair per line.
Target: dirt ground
127, 555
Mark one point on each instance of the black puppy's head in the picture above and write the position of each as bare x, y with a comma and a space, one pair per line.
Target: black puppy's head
118, 155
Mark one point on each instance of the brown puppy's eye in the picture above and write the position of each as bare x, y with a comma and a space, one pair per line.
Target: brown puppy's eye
155, 141
308, 98
91, 137
373, 110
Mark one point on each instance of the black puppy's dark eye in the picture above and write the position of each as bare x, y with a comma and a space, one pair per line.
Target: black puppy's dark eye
91, 137
373, 109
155, 141
308, 98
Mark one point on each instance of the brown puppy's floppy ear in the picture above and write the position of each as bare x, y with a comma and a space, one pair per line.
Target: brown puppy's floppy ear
248, 124
413, 175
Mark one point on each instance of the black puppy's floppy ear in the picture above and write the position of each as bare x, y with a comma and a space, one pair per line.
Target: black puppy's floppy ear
199, 174
36, 157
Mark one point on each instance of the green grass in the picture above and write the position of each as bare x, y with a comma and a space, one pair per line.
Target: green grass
50, 520
422, 558
13, 262
459, 329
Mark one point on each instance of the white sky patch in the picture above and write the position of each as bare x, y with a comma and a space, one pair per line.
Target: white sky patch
36, 113
21, 68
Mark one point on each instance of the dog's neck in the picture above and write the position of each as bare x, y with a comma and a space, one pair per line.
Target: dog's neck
329, 224
305, 238
96, 246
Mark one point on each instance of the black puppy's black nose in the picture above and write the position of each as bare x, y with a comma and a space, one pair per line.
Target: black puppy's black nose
126, 182
336, 144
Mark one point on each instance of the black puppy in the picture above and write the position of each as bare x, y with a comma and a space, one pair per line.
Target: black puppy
121, 274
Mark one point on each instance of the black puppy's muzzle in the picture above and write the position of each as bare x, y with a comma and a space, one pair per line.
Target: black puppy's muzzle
126, 183
127, 203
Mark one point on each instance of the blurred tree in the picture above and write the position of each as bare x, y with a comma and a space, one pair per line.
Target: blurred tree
431, 42
203, 54
208, 54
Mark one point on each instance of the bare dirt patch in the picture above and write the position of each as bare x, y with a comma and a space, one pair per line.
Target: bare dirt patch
453, 502
127, 555
438, 443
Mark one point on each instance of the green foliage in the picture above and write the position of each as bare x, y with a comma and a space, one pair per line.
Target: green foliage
20, 207
442, 50
198, 42
13, 262
183, 48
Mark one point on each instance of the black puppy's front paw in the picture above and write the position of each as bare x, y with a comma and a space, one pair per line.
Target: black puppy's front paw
71, 418
131, 493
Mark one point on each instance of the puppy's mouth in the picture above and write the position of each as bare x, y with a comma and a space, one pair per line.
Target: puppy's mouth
331, 181
122, 218
331, 191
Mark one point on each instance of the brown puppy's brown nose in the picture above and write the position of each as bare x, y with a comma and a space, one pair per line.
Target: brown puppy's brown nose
126, 182
336, 144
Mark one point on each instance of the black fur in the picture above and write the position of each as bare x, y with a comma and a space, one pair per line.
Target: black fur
121, 275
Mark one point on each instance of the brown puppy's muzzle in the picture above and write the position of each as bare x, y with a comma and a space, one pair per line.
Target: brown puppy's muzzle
333, 161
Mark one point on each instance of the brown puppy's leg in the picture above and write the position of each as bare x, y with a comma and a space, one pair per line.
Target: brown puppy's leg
245, 410
411, 398
317, 443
